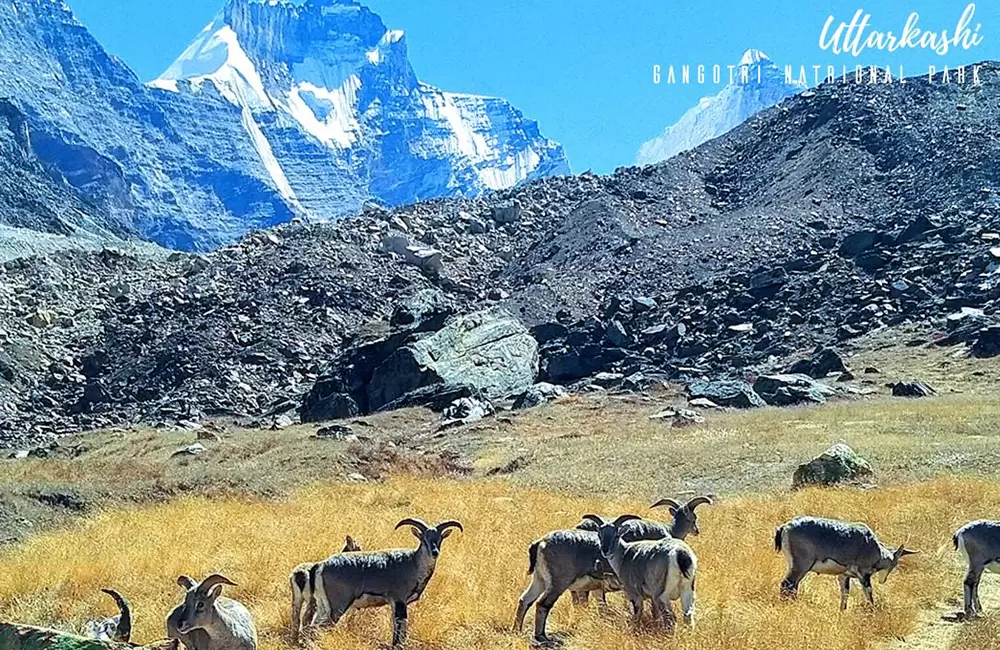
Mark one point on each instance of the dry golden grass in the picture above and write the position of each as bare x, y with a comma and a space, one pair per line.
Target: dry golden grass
978, 635
53, 579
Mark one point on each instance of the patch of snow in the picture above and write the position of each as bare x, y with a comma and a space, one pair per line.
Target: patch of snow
753, 57
328, 115
266, 154
216, 55
463, 123
165, 84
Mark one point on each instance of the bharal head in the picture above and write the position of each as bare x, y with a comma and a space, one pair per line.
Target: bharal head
685, 518
430, 536
890, 560
607, 531
199, 601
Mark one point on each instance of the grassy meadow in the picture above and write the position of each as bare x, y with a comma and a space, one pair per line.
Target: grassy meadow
54, 578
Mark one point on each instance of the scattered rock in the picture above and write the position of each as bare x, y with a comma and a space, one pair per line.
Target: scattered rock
857, 243
617, 335
702, 403
823, 362
789, 389
190, 450
466, 410
734, 394
679, 417
42, 318
282, 421
334, 432
838, 464
538, 394
987, 343
509, 213
911, 389
490, 351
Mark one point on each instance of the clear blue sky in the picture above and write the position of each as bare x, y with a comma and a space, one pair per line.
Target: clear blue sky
582, 68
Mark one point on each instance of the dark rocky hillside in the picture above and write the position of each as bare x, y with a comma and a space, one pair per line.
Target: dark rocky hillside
842, 211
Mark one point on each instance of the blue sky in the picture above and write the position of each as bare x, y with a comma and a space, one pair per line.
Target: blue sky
582, 68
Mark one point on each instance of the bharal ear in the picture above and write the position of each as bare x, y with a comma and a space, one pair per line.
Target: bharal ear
419, 534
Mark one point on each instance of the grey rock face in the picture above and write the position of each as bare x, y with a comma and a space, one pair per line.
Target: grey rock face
490, 351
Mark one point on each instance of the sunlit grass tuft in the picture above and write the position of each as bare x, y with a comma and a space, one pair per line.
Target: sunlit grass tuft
54, 579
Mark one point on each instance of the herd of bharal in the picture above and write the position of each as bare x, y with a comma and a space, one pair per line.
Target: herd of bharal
644, 559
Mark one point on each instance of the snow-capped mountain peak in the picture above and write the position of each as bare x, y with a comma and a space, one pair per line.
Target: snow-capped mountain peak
753, 57
330, 74
761, 87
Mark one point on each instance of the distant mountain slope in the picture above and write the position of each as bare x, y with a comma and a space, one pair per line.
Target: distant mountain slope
720, 113
39, 211
330, 101
178, 172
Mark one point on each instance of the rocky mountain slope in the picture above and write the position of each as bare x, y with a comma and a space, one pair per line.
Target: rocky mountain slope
206, 155
849, 209
763, 87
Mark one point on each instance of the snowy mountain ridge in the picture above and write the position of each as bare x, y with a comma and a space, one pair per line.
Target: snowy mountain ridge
275, 110
331, 70
720, 113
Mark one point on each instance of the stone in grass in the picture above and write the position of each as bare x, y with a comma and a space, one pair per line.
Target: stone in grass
911, 389
733, 394
838, 464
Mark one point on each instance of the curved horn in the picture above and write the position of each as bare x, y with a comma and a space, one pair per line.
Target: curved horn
187, 582
595, 518
123, 631
623, 518
667, 502
416, 523
212, 580
451, 523
698, 501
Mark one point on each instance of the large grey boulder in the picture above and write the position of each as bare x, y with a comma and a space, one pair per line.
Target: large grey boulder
838, 464
788, 389
489, 351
